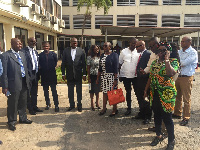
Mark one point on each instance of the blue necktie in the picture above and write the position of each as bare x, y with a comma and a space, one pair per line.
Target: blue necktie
21, 64
35, 60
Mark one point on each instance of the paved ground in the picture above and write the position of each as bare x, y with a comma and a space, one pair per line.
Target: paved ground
88, 131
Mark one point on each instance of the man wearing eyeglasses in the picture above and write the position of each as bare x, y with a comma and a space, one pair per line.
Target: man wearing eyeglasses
32, 65
74, 67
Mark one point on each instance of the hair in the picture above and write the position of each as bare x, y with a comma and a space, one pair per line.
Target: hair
73, 38
174, 53
154, 39
132, 39
45, 42
167, 45
91, 51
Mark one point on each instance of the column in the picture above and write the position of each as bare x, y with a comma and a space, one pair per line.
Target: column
9, 33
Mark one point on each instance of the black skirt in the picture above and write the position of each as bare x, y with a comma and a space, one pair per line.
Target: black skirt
95, 88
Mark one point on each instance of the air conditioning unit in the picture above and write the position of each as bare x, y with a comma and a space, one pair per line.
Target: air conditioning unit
21, 3
47, 17
54, 20
42, 12
35, 9
62, 23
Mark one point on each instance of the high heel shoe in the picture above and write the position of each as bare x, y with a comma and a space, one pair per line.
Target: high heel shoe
97, 106
93, 109
112, 115
102, 113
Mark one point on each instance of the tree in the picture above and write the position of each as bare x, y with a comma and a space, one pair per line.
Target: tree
105, 4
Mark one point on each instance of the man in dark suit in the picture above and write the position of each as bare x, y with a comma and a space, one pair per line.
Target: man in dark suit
32, 65
15, 83
74, 66
144, 106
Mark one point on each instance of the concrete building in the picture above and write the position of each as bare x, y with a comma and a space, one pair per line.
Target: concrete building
30, 18
138, 13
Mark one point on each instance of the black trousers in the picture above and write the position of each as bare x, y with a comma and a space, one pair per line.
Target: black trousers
54, 94
159, 115
144, 106
32, 95
127, 84
17, 102
71, 85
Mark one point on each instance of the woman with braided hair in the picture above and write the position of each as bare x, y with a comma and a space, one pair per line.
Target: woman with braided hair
163, 93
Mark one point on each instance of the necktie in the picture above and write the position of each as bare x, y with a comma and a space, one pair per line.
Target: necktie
21, 64
137, 64
35, 60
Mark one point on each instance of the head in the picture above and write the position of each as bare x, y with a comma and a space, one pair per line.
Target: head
74, 42
16, 44
132, 43
153, 44
140, 46
94, 51
46, 46
31, 42
107, 46
163, 48
186, 42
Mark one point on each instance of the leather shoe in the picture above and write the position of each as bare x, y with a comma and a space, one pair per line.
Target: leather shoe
128, 112
47, 107
138, 117
184, 122
1, 142
146, 121
153, 129
80, 109
38, 110
32, 112
57, 109
170, 146
175, 116
70, 108
113, 114
102, 112
26, 121
11, 127
156, 140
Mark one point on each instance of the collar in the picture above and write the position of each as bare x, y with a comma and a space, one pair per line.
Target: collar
30, 48
187, 50
13, 51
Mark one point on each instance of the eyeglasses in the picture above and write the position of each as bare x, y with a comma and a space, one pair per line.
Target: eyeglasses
138, 46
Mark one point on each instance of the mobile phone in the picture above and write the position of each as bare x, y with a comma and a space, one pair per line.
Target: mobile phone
8, 93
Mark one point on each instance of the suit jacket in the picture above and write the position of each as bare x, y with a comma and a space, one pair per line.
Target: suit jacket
47, 68
12, 77
29, 61
73, 69
143, 64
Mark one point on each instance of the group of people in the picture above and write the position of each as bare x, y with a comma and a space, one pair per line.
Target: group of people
150, 74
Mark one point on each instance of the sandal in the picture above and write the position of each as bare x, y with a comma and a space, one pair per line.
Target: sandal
102, 113
113, 114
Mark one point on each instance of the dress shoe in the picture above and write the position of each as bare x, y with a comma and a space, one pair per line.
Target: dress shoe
138, 117
170, 146
113, 114
184, 122
93, 109
32, 112
57, 109
38, 110
102, 112
1, 142
11, 127
80, 108
26, 121
146, 121
70, 108
47, 107
156, 140
153, 129
175, 116
128, 112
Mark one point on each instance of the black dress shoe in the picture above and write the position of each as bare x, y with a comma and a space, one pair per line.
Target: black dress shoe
184, 122
70, 108
156, 140
146, 121
175, 116
128, 112
112, 115
93, 109
38, 110
1, 142
102, 113
56, 109
11, 127
26, 121
80, 109
32, 112
138, 117
153, 129
47, 107
170, 146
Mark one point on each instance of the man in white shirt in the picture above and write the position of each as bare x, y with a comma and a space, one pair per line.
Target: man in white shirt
128, 60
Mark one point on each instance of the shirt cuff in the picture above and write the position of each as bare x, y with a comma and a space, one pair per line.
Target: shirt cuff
84, 75
63, 75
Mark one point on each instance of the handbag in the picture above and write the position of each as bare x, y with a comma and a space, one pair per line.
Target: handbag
115, 96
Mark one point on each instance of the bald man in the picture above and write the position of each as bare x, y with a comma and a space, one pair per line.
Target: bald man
15, 83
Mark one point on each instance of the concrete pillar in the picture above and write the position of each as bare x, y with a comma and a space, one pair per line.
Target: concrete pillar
114, 20
160, 2
137, 20
70, 2
71, 22
159, 20
45, 37
93, 21
31, 33
182, 16
9, 33
92, 41
55, 44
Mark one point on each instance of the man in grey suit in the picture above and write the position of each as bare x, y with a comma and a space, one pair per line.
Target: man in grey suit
15, 83
74, 65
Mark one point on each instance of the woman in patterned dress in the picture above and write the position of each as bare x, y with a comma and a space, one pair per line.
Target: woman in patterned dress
108, 70
163, 93
92, 69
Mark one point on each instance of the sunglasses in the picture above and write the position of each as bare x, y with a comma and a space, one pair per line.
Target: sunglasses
138, 46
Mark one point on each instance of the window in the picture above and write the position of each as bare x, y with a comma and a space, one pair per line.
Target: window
78, 22
21, 34
171, 2
170, 20
192, 20
65, 2
36, 2
75, 2
125, 2
2, 46
125, 20
148, 20
51, 41
149, 2
57, 10
39, 38
103, 20
66, 18
48, 6
192, 2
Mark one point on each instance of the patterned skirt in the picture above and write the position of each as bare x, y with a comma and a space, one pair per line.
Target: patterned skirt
107, 80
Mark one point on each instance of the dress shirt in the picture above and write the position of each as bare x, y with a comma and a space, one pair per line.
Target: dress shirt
153, 57
1, 68
188, 61
128, 59
31, 51
73, 53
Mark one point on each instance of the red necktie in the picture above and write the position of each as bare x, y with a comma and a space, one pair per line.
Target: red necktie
137, 64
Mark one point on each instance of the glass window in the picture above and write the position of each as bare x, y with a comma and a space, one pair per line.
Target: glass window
57, 10
48, 6
21, 34
2, 45
66, 18
125, 2
148, 20
103, 20
65, 2
171, 2
192, 2
192, 20
39, 38
51, 41
75, 2
78, 22
171, 20
126, 20
149, 2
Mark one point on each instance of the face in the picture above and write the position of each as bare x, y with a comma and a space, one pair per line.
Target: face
96, 50
162, 51
106, 47
17, 45
46, 47
32, 42
153, 46
139, 46
132, 44
185, 43
74, 43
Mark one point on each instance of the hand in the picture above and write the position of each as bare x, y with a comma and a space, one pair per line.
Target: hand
84, 78
142, 71
115, 82
167, 55
4, 91
64, 78
145, 94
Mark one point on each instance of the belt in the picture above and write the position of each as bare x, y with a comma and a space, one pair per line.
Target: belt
183, 76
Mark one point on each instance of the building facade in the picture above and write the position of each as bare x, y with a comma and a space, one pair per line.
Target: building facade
138, 13
22, 19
